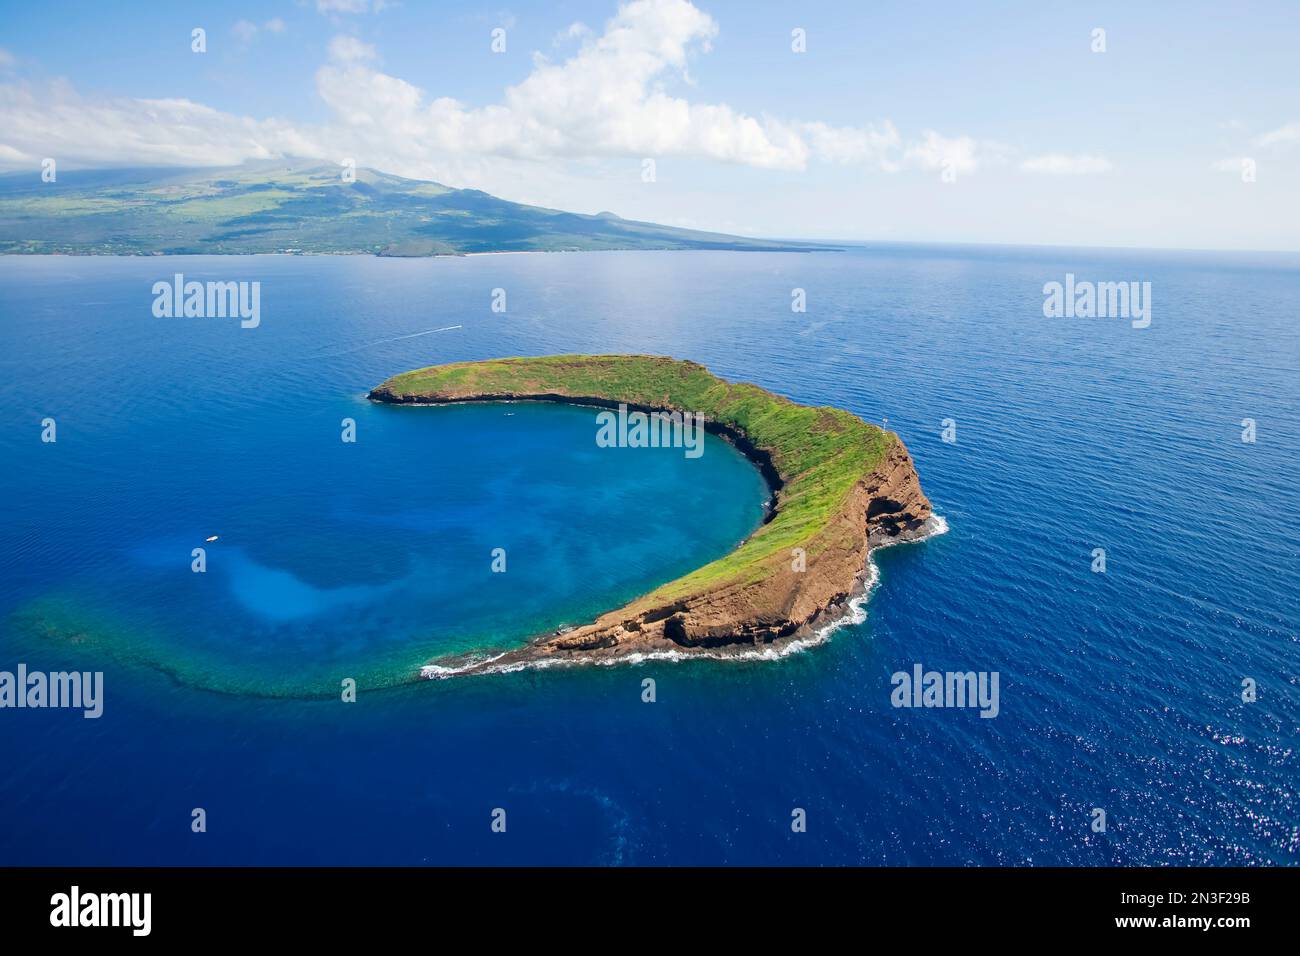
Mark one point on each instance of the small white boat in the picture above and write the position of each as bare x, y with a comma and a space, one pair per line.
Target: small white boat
211, 539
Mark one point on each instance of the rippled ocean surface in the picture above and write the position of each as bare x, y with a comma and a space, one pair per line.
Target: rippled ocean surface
1119, 691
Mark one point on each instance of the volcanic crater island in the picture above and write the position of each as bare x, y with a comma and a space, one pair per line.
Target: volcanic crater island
840, 487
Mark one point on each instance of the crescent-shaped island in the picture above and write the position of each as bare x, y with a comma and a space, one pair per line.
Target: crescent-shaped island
840, 487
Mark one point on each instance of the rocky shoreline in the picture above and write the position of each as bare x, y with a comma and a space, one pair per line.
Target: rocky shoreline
788, 599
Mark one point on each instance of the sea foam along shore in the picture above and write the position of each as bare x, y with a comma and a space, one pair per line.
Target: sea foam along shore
840, 485
845, 612
852, 612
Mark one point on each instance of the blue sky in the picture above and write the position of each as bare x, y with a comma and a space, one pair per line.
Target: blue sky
929, 122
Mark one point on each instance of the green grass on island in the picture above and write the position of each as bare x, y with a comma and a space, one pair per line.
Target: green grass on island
820, 453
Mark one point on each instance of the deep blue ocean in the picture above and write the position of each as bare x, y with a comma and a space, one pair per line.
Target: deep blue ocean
1119, 691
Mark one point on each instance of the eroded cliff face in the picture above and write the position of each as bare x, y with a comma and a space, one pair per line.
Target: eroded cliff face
886, 506
898, 509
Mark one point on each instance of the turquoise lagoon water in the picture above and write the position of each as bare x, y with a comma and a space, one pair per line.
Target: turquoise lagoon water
1118, 691
367, 558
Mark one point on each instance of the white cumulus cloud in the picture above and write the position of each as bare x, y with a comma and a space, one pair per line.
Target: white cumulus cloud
611, 98
347, 49
56, 121
1061, 164
936, 152
348, 6
244, 30
1288, 133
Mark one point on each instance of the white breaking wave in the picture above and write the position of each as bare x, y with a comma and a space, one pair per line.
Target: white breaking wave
856, 613
436, 671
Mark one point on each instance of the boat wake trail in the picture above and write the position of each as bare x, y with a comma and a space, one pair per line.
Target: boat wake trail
396, 338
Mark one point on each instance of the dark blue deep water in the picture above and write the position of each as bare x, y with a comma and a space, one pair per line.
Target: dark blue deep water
1119, 690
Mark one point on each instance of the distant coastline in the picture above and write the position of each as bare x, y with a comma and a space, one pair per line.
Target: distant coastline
312, 208
840, 487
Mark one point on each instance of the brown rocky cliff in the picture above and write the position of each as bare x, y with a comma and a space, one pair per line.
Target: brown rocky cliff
886, 505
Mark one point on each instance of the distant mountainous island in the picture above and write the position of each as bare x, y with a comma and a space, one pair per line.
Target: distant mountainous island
306, 208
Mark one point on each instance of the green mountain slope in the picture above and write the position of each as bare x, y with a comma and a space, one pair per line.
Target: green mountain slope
308, 208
